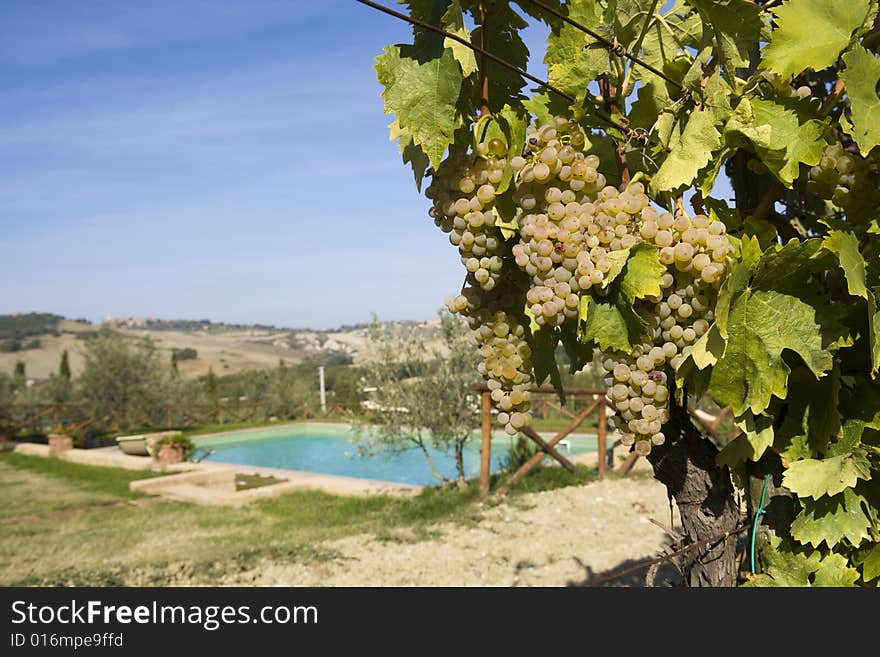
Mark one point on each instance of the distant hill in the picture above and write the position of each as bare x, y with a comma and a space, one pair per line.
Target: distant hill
200, 345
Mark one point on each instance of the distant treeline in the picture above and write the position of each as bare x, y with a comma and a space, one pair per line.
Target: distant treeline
16, 329
190, 325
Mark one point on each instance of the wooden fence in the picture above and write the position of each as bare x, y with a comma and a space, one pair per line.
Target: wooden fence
591, 400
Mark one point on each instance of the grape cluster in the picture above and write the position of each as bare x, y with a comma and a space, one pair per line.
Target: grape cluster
570, 226
463, 194
694, 252
843, 177
507, 358
562, 244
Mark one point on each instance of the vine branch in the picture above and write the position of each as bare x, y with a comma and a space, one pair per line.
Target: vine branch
484, 65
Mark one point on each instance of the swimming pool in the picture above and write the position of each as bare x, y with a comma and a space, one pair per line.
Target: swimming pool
329, 449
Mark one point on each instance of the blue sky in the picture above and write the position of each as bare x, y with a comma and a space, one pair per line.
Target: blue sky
227, 160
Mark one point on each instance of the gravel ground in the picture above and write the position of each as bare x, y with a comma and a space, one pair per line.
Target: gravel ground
554, 538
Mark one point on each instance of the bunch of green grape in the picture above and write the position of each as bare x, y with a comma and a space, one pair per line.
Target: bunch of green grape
500, 336
844, 178
571, 225
463, 194
561, 242
694, 251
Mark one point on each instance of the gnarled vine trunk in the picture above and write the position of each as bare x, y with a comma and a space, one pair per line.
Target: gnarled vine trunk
704, 494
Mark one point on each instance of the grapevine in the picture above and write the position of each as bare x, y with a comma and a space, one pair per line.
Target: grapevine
570, 222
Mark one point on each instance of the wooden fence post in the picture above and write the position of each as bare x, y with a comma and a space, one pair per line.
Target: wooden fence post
601, 447
486, 447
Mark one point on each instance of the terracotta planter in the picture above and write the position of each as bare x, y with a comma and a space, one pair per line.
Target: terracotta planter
169, 454
59, 443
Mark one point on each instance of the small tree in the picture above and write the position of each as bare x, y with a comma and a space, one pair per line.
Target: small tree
64, 366
284, 392
20, 376
422, 396
122, 379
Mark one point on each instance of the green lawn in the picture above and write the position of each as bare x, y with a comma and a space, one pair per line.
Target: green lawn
68, 524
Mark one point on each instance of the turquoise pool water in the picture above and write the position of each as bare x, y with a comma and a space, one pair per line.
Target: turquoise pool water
329, 449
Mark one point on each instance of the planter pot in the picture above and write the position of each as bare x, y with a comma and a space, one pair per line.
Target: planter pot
59, 443
169, 454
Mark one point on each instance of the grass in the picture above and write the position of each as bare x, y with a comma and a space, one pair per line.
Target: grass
70, 524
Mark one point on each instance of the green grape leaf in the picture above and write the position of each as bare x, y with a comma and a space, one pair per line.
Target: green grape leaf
870, 562
831, 520
514, 125
874, 332
834, 570
604, 324
543, 343
803, 142
579, 353
761, 325
862, 74
423, 97
410, 153
845, 246
756, 438
643, 273
812, 417
785, 568
453, 22
785, 268
761, 229
737, 451
708, 349
540, 105
735, 26
534, 327
720, 211
811, 34
778, 136
689, 152
736, 282
850, 436
617, 259
651, 100
574, 58
758, 431
817, 477
716, 99
626, 18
